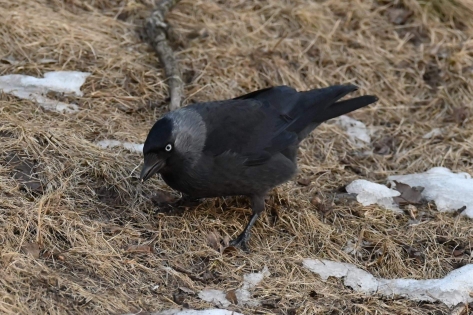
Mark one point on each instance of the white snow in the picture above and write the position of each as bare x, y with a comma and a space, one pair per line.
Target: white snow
217, 297
356, 130
369, 193
454, 288
133, 147
433, 133
243, 294
450, 191
249, 282
355, 277
31, 88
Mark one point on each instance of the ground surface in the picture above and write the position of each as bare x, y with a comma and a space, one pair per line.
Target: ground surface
92, 222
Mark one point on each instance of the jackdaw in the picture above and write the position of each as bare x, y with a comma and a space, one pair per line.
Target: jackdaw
242, 146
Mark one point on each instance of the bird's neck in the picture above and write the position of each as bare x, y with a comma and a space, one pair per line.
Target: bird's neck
179, 163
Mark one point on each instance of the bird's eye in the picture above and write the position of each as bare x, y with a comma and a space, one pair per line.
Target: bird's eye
168, 147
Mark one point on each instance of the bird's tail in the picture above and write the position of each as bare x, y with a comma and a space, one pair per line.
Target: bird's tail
346, 106
319, 105
302, 112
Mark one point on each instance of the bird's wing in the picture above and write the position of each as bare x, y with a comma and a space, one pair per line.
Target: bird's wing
301, 109
264, 122
246, 127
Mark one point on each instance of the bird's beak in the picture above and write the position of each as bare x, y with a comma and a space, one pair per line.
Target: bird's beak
152, 165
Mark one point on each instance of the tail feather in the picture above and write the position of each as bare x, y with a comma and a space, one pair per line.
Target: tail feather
345, 107
315, 103
302, 112
337, 109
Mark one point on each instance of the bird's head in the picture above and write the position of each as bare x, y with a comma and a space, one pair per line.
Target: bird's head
158, 148
179, 135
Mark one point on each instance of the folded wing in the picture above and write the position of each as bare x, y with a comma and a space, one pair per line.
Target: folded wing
262, 123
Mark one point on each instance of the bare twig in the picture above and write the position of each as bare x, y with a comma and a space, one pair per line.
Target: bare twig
156, 30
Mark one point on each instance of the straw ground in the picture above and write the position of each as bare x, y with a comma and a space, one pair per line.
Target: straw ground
83, 237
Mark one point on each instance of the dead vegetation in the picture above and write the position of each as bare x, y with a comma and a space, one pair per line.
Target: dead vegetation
79, 235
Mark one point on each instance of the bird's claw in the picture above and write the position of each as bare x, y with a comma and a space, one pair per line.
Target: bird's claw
241, 242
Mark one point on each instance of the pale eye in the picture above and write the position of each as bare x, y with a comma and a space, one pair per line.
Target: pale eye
168, 147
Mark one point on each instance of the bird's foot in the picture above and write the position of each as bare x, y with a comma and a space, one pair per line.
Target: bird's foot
241, 242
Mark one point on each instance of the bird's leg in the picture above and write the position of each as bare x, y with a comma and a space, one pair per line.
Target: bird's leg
257, 205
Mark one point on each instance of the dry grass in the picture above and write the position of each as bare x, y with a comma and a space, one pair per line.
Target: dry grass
91, 208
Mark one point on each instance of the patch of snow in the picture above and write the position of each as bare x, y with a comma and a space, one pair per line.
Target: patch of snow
454, 288
217, 297
355, 277
369, 193
243, 294
356, 130
249, 282
450, 191
31, 88
433, 133
133, 147
195, 312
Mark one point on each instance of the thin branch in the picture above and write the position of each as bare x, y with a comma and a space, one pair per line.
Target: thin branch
156, 30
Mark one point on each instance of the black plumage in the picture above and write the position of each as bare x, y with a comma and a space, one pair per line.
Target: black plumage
243, 146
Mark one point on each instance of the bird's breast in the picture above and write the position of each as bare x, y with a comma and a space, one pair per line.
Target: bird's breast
183, 175
226, 175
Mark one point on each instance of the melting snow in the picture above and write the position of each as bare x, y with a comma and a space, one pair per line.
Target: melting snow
369, 193
133, 147
243, 294
217, 297
356, 130
31, 88
450, 191
454, 288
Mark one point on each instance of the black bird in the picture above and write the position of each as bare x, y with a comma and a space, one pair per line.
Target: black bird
242, 146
